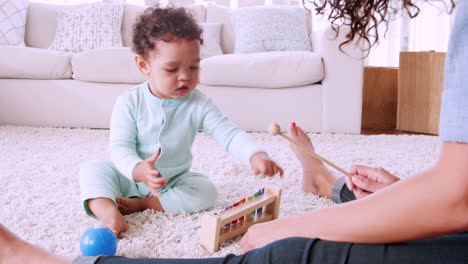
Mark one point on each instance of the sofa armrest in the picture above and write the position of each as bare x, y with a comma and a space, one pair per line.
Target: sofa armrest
343, 81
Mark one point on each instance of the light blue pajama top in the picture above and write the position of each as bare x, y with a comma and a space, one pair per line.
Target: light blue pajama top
142, 123
454, 110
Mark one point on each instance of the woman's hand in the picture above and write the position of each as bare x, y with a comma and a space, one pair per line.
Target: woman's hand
260, 235
368, 180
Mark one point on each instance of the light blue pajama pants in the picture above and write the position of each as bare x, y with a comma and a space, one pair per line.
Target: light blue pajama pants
186, 192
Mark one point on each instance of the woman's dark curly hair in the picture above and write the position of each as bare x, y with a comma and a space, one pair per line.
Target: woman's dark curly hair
363, 17
164, 24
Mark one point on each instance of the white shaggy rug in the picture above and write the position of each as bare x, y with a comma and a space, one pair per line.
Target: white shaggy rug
39, 191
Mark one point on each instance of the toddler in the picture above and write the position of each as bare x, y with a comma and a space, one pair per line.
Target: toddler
153, 127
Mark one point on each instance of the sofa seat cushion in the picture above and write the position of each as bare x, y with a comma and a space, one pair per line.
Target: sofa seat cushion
33, 63
277, 69
107, 65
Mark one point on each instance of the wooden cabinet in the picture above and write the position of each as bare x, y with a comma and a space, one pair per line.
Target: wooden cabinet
379, 106
420, 85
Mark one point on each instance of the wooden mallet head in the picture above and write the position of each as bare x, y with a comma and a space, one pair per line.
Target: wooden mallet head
274, 129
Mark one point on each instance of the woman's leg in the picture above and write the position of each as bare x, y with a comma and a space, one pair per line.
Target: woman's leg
445, 249
15, 250
441, 250
292, 250
317, 178
340, 192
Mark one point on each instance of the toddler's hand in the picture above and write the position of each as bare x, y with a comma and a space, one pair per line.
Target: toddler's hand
262, 164
367, 180
145, 172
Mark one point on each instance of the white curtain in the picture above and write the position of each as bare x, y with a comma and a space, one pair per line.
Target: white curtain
429, 31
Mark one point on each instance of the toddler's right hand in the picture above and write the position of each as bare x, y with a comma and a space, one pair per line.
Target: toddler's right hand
367, 180
145, 172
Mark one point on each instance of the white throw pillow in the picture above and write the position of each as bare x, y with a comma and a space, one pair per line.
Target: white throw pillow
90, 26
12, 22
211, 40
272, 28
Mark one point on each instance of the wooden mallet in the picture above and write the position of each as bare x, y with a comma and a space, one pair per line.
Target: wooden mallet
275, 129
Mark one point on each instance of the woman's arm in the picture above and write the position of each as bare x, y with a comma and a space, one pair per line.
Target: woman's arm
429, 204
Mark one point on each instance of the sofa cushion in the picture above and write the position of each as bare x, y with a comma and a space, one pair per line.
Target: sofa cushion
109, 65
211, 40
275, 69
12, 22
222, 14
41, 24
197, 10
89, 26
270, 28
33, 63
131, 13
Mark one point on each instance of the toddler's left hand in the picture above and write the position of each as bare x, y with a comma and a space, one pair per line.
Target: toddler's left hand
262, 164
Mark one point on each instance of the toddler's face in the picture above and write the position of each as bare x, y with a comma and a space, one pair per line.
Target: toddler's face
172, 68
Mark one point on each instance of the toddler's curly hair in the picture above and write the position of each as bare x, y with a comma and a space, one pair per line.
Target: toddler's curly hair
164, 24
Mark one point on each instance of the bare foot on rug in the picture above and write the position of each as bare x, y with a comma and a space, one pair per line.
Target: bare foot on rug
116, 224
15, 250
316, 177
136, 204
106, 210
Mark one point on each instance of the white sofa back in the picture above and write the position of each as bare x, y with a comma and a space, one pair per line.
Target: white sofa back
41, 22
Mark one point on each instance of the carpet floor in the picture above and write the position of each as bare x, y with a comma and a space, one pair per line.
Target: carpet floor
39, 190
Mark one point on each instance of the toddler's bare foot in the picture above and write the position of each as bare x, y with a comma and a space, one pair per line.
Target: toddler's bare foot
316, 177
137, 204
15, 250
106, 210
116, 224
129, 205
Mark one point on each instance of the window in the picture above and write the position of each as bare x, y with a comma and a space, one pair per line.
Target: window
429, 31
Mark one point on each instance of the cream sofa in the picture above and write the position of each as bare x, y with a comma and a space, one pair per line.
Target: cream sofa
319, 90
